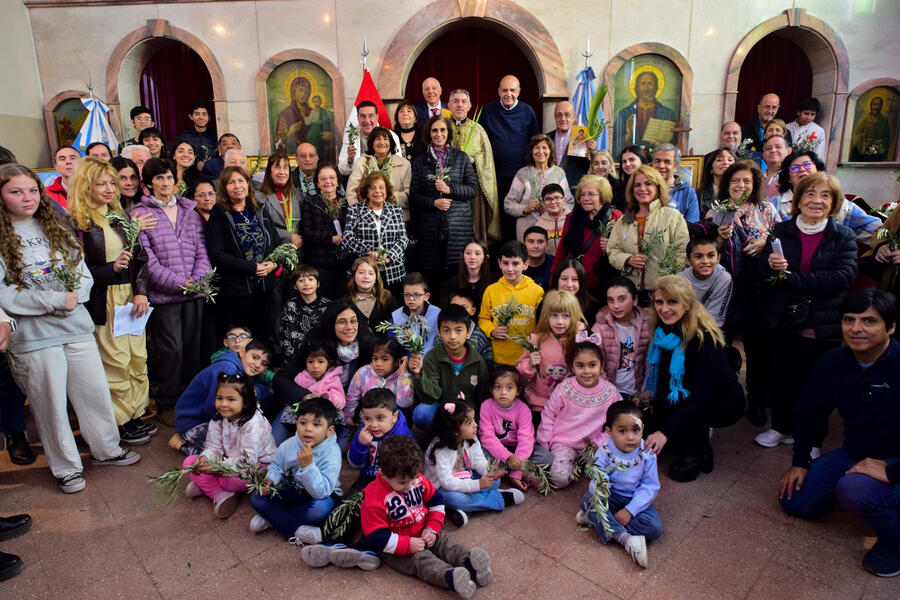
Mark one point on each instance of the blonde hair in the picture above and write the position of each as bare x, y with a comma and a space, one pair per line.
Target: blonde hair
63, 242
653, 175
602, 185
378, 290
696, 320
833, 183
609, 157
81, 206
559, 301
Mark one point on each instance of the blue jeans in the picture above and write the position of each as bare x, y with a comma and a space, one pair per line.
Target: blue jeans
12, 402
281, 431
646, 523
423, 415
876, 503
487, 499
291, 509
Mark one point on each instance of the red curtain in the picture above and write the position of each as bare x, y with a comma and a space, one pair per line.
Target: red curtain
172, 79
474, 59
774, 64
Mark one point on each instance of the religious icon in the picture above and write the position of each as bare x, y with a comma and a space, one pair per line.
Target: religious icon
647, 102
875, 123
578, 141
301, 107
68, 117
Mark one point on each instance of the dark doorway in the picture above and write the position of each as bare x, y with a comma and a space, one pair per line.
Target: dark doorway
473, 58
774, 64
174, 77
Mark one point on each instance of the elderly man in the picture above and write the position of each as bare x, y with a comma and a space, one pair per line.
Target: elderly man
213, 167
765, 111
433, 105
471, 138
729, 137
367, 115
138, 154
774, 151
574, 166
861, 380
665, 159
64, 161
509, 125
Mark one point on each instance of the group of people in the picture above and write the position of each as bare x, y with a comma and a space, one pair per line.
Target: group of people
440, 346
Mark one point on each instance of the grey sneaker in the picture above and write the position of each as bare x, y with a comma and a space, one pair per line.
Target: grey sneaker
581, 518
351, 557
308, 535
128, 457
462, 582
257, 524
318, 555
225, 503
480, 561
71, 483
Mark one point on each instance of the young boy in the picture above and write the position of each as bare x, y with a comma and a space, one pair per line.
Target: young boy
380, 418
451, 367
235, 340
466, 298
711, 282
141, 118
804, 130
553, 217
302, 313
197, 403
513, 284
198, 135
539, 262
305, 470
415, 302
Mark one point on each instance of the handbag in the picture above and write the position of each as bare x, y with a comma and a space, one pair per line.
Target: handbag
797, 313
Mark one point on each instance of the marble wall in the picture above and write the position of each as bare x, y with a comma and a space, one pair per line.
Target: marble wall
242, 35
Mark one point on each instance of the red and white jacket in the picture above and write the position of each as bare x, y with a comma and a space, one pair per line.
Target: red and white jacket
390, 519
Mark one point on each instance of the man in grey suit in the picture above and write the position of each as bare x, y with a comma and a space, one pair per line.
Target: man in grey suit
574, 166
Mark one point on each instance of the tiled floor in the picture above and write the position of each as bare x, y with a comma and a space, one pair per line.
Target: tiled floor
725, 537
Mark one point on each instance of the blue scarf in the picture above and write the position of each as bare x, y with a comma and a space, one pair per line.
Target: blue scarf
666, 341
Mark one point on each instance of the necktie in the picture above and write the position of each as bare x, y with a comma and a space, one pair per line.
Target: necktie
434, 112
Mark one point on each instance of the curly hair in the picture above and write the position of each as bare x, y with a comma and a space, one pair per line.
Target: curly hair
369, 180
81, 206
63, 242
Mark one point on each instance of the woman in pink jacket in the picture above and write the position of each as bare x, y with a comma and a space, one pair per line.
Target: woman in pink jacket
624, 335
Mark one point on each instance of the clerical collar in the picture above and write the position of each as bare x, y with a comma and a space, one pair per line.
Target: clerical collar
459, 123
511, 107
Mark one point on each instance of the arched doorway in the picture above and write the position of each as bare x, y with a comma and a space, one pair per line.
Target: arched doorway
462, 58
172, 78
774, 64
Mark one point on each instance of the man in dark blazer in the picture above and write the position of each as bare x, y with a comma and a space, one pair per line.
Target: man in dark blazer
574, 166
431, 91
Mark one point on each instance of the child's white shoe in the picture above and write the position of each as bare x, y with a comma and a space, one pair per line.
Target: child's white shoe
512, 496
225, 503
636, 547
343, 556
257, 524
581, 518
318, 555
771, 438
308, 535
462, 582
191, 490
480, 562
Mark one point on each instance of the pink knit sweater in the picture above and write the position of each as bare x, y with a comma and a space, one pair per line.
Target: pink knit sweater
553, 369
505, 432
574, 413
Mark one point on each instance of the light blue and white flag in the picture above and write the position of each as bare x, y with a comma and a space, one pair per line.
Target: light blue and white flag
96, 127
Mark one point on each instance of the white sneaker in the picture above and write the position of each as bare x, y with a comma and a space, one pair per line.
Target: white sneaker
191, 490
308, 535
342, 556
772, 438
518, 496
318, 555
462, 582
257, 524
636, 547
127, 457
581, 518
815, 453
480, 561
71, 483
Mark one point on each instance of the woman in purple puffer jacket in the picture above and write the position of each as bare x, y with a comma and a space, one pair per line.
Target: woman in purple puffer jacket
176, 250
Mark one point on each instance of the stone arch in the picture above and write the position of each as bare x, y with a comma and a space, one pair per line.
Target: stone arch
847, 131
161, 29
503, 16
687, 82
262, 106
50, 106
829, 61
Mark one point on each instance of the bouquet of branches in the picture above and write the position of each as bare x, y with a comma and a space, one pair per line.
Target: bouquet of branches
253, 473
385, 167
725, 211
595, 124
352, 133
410, 334
69, 278
440, 174
285, 255
467, 143
598, 503
10, 355
381, 256
668, 255
806, 143
606, 230
893, 241
505, 313
334, 207
205, 286
539, 473
132, 227
745, 150
343, 516
522, 340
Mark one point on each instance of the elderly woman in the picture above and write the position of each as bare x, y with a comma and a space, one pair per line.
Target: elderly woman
650, 232
380, 156
602, 164
691, 384
800, 308
322, 226
239, 235
176, 256
713, 168
375, 228
583, 235
407, 129
524, 198
443, 184
278, 195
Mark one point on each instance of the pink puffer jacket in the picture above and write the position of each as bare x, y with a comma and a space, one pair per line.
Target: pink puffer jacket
606, 327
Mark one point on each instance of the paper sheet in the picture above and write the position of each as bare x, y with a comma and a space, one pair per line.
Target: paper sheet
125, 324
658, 131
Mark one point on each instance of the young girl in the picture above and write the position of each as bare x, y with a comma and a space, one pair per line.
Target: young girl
631, 514
387, 370
322, 377
366, 290
455, 462
624, 335
554, 334
302, 313
237, 429
474, 271
507, 432
576, 410
56, 355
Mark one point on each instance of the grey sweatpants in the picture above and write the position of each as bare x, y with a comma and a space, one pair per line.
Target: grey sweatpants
431, 564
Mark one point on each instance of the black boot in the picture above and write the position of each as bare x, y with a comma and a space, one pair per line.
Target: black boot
688, 467
20, 452
10, 566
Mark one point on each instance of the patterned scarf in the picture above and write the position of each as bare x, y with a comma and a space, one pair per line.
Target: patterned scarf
666, 341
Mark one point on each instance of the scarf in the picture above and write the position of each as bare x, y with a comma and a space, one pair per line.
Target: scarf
808, 229
347, 354
581, 220
439, 154
666, 341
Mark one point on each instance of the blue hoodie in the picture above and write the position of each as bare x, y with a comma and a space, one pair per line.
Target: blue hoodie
364, 457
685, 200
319, 479
197, 403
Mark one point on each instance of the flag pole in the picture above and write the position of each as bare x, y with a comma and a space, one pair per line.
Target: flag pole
365, 54
587, 53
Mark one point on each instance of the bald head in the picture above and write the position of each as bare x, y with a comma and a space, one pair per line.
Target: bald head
431, 91
307, 158
509, 91
768, 107
564, 115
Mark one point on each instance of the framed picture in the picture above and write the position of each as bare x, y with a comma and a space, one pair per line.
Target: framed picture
873, 133
301, 107
68, 117
691, 169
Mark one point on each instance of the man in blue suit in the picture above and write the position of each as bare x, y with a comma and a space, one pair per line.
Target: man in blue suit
431, 90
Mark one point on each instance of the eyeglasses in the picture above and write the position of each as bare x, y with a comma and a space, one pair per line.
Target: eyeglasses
556, 198
806, 165
237, 336
232, 378
590, 194
412, 295
343, 322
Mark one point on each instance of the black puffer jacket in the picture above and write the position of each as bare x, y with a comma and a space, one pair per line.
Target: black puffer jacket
317, 229
442, 234
237, 275
832, 270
